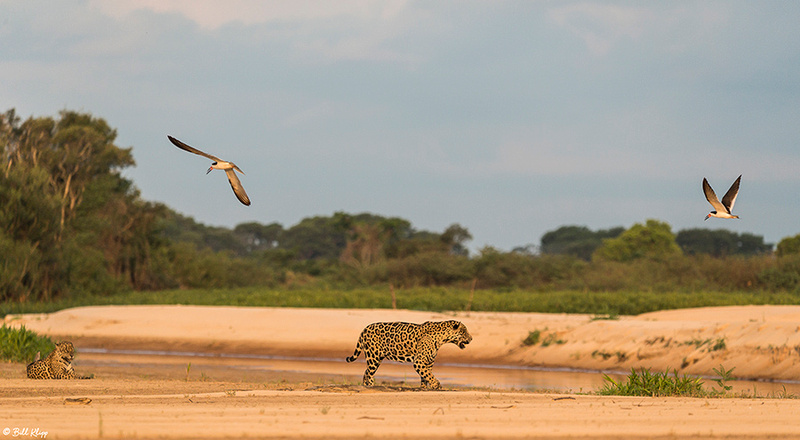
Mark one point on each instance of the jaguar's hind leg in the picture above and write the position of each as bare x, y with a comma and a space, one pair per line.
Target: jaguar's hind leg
373, 363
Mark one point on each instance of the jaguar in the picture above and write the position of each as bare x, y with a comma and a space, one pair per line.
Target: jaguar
57, 365
408, 342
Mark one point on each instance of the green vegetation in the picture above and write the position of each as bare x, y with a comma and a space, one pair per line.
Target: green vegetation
645, 383
551, 339
606, 317
21, 345
709, 344
720, 243
724, 377
652, 240
74, 231
420, 298
533, 338
788, 246
576, 241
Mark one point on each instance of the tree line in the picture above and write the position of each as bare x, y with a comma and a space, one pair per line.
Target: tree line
71, 224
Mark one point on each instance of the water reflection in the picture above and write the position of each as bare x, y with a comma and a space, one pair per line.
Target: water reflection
489, 376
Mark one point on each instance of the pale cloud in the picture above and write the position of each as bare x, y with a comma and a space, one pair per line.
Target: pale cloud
318, 31
667, 27
601, 26
367, 46
212, 14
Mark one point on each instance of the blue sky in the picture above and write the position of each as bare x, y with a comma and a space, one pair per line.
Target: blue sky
511, 118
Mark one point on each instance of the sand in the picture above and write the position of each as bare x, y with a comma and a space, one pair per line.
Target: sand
147, 401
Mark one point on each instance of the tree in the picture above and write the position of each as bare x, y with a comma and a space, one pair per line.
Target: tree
318, 237
28, 235
69, 219
720, 242
455, 237
577, 241
364, 245
652, 240
258, 237
789, 246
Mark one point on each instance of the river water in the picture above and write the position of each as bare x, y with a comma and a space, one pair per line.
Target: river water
337, 370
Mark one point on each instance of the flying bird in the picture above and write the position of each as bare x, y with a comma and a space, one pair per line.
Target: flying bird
722, 210
219, 164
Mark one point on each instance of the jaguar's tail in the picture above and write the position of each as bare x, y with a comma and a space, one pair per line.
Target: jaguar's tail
357, 351
355, 355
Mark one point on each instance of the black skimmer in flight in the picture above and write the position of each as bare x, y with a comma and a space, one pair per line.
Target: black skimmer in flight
219, 164
722, 210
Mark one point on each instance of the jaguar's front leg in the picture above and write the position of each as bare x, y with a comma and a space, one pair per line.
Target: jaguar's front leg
423, 368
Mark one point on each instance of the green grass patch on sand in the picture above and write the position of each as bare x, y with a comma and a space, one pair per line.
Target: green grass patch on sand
645, 383
21, 344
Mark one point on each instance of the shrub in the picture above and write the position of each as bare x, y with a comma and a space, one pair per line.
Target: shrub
428, 269
783, 276
21, 345
533, 338
789, 246
652, 240
645, 383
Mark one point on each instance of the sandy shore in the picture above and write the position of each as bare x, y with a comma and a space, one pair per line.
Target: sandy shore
759, 341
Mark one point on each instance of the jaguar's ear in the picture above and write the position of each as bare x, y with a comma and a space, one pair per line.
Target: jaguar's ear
455, 325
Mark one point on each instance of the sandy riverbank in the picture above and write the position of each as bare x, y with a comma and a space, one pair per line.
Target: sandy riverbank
759, 341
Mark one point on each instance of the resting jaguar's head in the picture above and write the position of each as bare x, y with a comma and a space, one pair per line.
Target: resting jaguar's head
65, 351
457, 333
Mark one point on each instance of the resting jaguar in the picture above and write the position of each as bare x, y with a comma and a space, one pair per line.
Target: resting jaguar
407, 342
57, 365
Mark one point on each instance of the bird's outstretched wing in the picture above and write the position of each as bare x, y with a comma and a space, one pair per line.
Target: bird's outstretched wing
712, 197
237, 187
185, 147
730, 197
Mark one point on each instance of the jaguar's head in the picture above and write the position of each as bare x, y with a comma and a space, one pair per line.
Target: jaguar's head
66, 351
460, 335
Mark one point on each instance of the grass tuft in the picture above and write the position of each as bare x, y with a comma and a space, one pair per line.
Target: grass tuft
645, 383
533, 338
21, 344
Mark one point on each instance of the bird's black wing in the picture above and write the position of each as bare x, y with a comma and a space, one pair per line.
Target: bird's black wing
730, 197
185, 147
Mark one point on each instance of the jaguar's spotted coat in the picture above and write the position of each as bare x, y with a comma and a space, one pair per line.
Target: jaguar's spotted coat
408, 342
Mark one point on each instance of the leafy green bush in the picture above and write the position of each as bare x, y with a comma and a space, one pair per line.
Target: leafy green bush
783, 276
428, 269
651, 240
789, 246
721, 242
533, 338
645, 383
517, 269
21, 345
